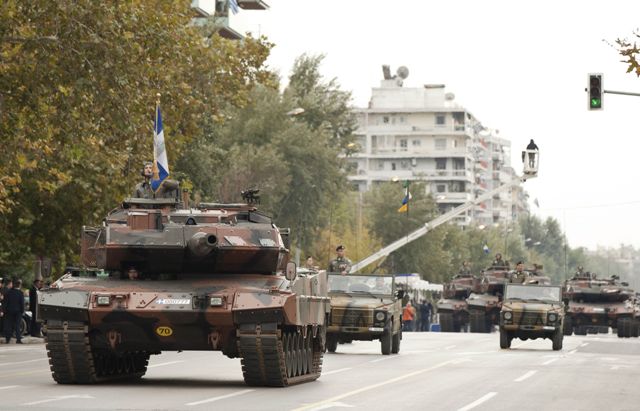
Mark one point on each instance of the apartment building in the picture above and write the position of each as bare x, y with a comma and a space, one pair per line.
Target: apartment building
421, 133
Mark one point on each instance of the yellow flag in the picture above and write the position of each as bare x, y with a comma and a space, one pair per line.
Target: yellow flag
404, 208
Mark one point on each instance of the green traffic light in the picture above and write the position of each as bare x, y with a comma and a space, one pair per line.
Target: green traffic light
596, 103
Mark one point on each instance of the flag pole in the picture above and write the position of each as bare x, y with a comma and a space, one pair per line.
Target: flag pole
156, 172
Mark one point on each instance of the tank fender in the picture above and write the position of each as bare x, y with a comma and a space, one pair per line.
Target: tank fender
258, 307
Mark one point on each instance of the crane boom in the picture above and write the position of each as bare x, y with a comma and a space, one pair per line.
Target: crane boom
530, 171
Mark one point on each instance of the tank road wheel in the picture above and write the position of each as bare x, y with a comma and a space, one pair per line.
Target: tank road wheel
624, 327
386, 342
557, 340
277, 358
332, 342
567, 326
446, 322
395, 343
505, 340
479, 322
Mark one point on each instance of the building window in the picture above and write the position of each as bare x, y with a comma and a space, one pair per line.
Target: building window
403, 144
440, 119
404, 165
441, 163
441, 188
381, 165
385, 119
402, 119
416, 143
441, 143
393, 166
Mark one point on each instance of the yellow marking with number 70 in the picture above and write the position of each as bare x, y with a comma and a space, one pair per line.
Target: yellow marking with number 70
164, 331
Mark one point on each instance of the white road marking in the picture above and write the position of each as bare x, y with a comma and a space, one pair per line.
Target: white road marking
380, 384
478, 402
449, 347
383, 359
331, 405
584, 344
335, 371
572, 352
164, 363
23, 362
525, 376
418, 351
8, 387
63, 397
221, 397
550, 361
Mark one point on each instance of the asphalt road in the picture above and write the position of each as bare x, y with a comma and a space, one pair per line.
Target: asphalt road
434, 371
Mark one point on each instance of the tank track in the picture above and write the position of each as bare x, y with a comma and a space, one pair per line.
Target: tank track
279, 358
73, 361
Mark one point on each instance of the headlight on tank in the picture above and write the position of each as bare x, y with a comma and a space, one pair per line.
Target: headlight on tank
216, 301
103, 300
553, 317
507, 315
380, 316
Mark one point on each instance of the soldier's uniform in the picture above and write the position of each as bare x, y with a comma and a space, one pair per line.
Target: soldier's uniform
143, 190
518, 277
340, 264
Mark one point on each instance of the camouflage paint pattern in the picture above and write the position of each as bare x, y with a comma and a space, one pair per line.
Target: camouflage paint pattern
452, 307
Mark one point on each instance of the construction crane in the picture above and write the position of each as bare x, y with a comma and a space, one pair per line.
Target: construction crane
530, 159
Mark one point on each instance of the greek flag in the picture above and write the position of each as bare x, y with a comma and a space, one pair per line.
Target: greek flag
233, 5
160, 162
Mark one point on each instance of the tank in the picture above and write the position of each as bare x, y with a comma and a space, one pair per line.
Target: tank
215, 277
594, 305
452, 307
485, 301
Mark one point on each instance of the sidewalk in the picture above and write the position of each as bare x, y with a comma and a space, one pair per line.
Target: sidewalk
27, 339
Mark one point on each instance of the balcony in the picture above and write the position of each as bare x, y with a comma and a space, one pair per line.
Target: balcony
451, 197
445, 174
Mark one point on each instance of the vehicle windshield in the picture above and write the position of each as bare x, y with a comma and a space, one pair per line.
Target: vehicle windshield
364, 284
532, 292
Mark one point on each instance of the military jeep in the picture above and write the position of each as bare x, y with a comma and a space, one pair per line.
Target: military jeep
530, 312
364, 307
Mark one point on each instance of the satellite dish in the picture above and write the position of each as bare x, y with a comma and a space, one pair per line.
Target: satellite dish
402, 72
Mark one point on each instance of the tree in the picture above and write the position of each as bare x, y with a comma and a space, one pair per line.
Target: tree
78, 81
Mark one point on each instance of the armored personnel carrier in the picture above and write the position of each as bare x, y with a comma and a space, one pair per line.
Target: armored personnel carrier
216, 277
452, 307
595, 304
365, 307
531, 312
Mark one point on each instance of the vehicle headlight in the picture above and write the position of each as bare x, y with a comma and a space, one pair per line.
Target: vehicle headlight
103, 300
552, 317
380, 316
216, 301
508, 315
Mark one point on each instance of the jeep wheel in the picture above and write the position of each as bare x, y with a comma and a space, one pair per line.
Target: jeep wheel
624, 327
385, 342
395, 343
557, 340
332, 343
505, 340
567, 326
580, 330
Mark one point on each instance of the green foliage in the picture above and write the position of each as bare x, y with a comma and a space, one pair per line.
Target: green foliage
78, 83
629, 50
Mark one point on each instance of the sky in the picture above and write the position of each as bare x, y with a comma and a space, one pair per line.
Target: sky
519, 66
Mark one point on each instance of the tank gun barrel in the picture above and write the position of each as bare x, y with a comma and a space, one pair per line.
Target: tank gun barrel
202, 243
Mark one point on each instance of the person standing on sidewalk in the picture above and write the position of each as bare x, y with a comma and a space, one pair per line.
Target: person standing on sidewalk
33, 306
15, 309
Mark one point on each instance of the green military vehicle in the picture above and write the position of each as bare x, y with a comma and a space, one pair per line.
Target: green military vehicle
364, 307
530, 312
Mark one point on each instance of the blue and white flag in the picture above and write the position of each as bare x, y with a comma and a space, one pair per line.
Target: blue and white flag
233, 5
160, 162
485, 248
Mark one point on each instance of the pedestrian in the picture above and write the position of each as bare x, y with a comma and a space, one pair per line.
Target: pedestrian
14, 312
33, 306
408, 315
7, 284
425, 315
340, 264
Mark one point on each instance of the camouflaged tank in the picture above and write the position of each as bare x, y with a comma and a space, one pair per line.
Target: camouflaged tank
452, 307
531, 311
594, 305
214, 278
485, 301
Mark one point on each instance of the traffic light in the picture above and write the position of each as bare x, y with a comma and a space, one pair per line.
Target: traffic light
595, 91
